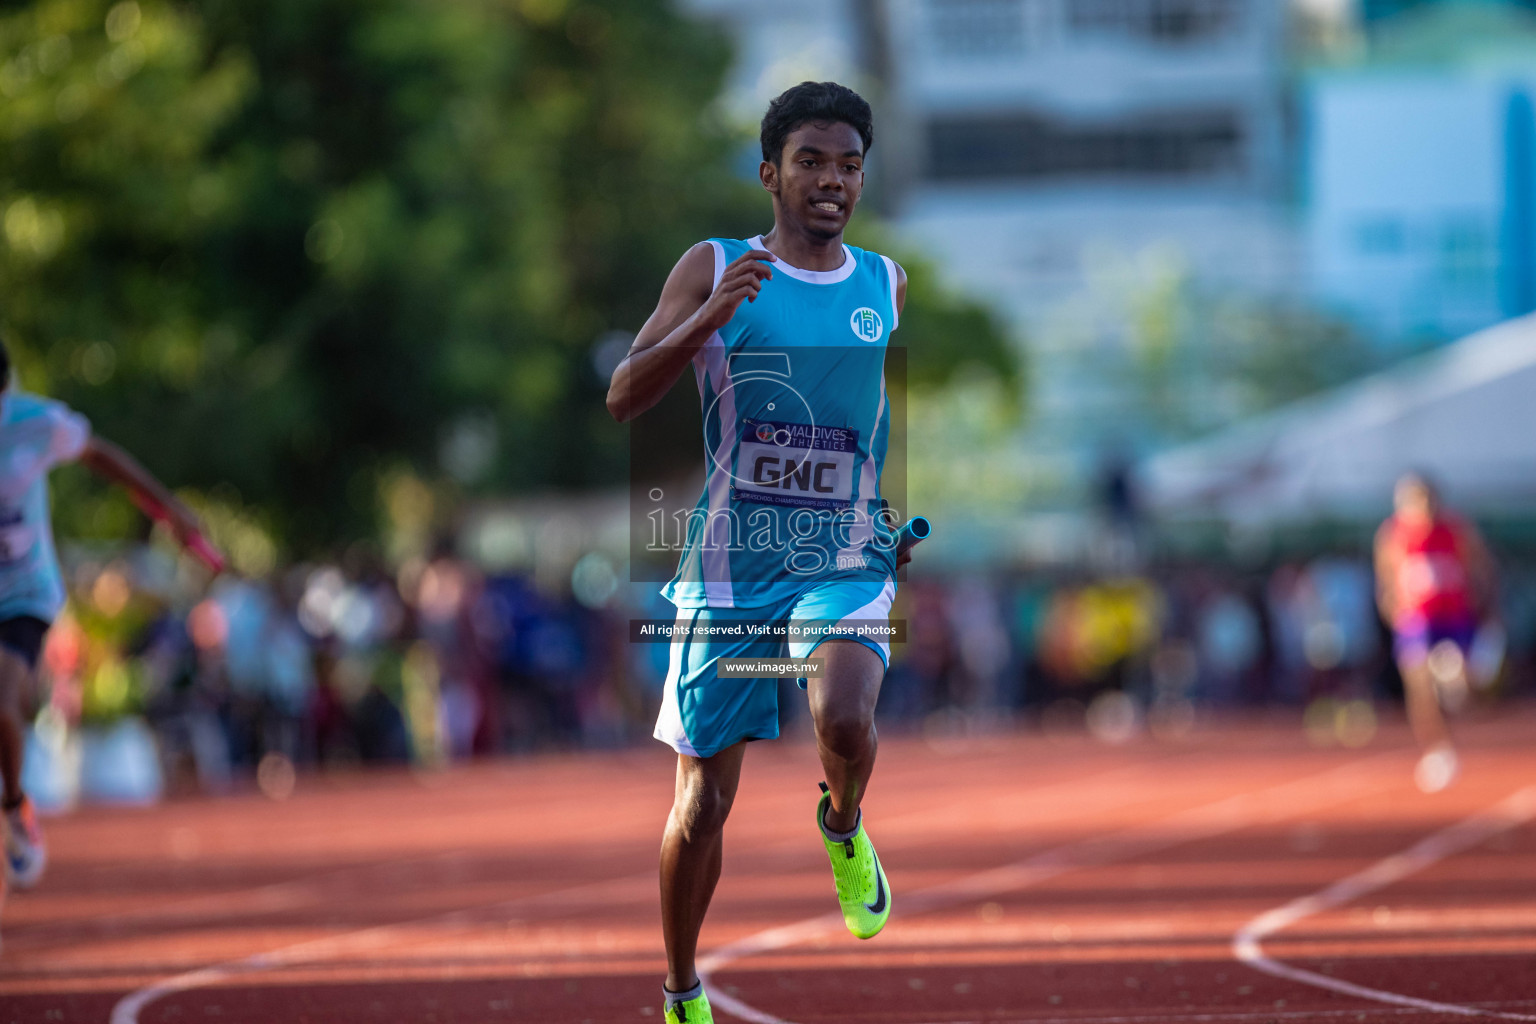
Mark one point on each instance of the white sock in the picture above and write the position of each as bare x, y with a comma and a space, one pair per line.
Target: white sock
843, 837
673, 998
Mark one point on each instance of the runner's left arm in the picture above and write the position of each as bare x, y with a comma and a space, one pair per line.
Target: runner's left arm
115, 465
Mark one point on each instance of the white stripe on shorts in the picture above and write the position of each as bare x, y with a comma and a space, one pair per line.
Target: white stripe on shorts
669, 721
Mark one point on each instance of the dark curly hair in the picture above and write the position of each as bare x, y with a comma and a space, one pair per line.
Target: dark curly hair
5, 363
814, 103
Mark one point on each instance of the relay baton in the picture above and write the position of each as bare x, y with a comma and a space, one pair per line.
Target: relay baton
197, 544
914, 530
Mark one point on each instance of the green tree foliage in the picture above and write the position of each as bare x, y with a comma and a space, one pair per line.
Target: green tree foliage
288, 246
289, 250
106, 118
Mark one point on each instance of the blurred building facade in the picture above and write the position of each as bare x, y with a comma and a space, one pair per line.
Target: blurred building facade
1374, 13
1050, 131
1365, 170
1071, 155
1059, 158
1031, 135
1421, 174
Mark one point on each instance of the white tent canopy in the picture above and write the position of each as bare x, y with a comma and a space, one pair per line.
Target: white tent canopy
1464, 414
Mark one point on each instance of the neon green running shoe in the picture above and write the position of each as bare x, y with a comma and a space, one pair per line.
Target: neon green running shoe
862, 890
690, 1011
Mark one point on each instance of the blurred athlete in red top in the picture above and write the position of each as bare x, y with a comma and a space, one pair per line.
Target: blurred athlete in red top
1434, 580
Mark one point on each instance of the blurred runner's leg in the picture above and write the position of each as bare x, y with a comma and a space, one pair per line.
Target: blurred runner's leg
25, 852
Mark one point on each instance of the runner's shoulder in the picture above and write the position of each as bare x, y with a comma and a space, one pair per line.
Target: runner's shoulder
1386, 533
695, 270
24, 405
1461, 529
877, 258
1450, 520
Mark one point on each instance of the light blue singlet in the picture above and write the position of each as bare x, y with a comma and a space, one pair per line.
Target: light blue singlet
36, 434
796, 421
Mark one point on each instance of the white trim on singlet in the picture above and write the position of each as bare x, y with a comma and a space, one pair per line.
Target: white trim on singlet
719, 263
890, 272
719, 272
864, 531
715, 559
714, 562
842, 273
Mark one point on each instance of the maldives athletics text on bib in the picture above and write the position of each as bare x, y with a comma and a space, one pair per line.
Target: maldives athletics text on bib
796, 464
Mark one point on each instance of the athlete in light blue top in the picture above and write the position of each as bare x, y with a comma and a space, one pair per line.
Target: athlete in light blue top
37, 434
796, 421
786, 333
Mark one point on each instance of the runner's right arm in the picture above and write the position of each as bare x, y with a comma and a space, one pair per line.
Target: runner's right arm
115, 465
687, 314
1386, 573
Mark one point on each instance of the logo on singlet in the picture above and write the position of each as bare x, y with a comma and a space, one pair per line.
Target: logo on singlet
866, 323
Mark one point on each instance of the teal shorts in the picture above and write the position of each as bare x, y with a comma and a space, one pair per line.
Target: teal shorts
702, 714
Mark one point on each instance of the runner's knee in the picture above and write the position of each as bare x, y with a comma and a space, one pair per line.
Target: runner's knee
701, 808
843, 730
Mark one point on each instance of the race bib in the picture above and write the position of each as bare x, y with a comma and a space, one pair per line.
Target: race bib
796, 464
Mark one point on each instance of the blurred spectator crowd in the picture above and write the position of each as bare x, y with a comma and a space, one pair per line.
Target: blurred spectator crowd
352, 662
338, 664
1158, 649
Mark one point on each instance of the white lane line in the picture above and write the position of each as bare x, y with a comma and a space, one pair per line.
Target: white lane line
1247, 944
1200, 1017
129, 1007
286, 894
1337, 785
803, 931
127, 1010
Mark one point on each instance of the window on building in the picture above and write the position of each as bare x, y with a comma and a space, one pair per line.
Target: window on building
1169, 146
977, 28
1164, 21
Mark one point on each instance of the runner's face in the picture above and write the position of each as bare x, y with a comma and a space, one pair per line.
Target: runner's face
819, 177
1414, 501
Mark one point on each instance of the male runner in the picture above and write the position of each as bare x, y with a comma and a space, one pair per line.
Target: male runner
37, 434
1433, 577
786, 333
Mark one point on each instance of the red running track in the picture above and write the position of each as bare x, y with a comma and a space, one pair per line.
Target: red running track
1034, 880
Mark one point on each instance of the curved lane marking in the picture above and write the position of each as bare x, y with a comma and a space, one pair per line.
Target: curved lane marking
1247, 945
127, 1009
1337, 785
